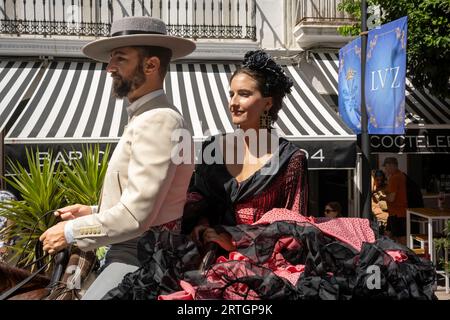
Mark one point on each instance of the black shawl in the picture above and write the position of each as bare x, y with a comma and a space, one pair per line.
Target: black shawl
221, 192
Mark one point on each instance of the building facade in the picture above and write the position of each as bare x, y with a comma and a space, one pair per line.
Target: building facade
53, 96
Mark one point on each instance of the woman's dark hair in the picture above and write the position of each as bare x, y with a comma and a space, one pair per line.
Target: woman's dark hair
270, 77
336, 206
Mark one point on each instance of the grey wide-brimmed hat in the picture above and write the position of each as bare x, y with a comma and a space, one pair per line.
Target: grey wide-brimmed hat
138, 31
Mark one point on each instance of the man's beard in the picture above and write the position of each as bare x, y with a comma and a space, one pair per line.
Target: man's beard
122, 87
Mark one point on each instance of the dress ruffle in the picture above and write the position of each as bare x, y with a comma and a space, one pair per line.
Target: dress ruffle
281, 257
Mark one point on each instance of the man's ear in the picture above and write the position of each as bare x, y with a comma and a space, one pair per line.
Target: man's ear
151, 65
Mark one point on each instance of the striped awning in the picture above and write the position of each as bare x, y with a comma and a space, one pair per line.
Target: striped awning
15, 80
328, 64
73, 103
422, 109
202, 91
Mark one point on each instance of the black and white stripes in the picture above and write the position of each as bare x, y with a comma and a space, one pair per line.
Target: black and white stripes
307, 114
73, 103
202, 92
15, 80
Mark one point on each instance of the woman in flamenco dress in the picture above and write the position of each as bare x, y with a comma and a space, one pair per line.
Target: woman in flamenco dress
245, 231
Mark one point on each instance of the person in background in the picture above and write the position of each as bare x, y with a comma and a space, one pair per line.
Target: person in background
5, 196
333, 210
379, 207
396, 199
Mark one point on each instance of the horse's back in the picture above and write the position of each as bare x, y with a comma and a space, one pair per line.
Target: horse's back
33, 290
38, 294
69, 283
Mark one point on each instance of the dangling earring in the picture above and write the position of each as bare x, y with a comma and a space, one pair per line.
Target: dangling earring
265, 121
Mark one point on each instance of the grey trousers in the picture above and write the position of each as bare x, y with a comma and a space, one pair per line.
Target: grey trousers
108, 279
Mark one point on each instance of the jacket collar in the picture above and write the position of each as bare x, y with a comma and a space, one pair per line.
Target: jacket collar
133, 107
149, 102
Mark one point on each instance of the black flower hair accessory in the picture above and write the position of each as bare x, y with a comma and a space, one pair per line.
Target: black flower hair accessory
277, 82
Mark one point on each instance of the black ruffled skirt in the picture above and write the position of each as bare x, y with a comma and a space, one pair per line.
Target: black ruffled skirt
332, 270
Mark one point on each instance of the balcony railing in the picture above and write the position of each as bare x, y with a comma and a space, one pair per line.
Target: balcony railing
197, 19
321, 11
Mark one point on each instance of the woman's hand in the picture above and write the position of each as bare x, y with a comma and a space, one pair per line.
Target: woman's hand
73, 211
197, 234
222, 239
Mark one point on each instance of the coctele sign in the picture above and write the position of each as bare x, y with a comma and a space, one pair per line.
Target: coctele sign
418, 141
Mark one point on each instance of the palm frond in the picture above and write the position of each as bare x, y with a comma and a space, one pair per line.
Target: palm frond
41, 193
83, 178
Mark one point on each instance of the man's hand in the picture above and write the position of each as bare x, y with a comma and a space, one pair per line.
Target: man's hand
73, 211
54, 239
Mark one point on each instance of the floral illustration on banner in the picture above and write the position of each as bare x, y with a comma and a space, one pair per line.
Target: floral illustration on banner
350, 99
372, 45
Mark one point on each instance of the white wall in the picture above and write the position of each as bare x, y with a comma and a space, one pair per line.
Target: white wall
274, 27
270, 24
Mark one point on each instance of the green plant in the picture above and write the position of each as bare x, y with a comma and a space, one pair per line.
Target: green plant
444, 244
101, 253
353, 7
45, 187
40, 191
82, 179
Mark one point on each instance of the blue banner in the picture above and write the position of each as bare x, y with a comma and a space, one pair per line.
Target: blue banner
349, 82
385, 80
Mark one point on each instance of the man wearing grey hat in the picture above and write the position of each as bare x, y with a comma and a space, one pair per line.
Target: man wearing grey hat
143, 187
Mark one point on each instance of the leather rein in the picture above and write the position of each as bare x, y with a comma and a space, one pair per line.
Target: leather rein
60, 258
